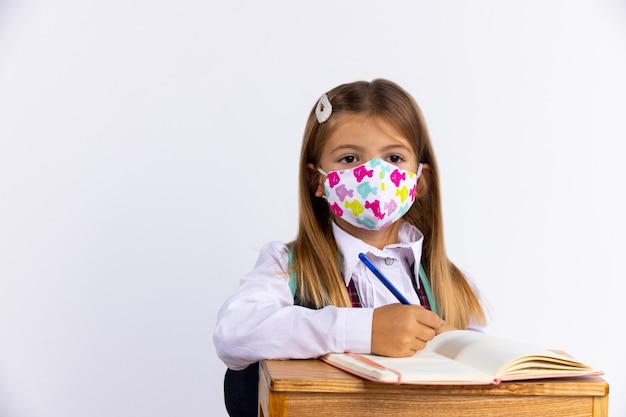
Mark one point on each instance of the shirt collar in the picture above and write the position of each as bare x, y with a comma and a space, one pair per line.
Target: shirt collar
408, 235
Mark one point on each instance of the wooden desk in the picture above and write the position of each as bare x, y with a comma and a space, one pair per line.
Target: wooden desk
312, 388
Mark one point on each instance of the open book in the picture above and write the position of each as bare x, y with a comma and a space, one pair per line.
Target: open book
463, 357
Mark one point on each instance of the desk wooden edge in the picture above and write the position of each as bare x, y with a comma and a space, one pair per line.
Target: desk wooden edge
277, 379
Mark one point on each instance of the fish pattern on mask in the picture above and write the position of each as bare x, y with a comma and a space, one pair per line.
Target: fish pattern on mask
372, 195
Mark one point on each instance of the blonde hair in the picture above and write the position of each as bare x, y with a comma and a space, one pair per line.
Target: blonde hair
315, 256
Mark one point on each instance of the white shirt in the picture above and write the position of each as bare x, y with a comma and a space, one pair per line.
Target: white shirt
260, 321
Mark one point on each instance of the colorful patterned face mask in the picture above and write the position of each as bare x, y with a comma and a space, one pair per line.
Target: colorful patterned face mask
373, 195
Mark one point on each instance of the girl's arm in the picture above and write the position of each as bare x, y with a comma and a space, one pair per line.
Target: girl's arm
260, 320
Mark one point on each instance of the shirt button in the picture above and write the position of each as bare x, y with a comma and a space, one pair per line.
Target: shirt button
389, 261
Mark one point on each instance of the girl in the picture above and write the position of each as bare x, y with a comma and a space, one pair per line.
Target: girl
368, 184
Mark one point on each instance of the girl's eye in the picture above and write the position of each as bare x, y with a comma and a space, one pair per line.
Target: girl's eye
349, 159
395, 159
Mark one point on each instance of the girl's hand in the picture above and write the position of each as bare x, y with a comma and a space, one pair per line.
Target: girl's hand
445, 328
400, 330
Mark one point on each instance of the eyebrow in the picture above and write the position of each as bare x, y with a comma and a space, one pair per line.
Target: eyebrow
398, 146
361, 148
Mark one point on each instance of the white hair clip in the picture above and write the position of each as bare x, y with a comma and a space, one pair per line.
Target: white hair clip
324, 109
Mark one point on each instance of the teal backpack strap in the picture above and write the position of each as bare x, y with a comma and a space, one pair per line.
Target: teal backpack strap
429, 292
292, 275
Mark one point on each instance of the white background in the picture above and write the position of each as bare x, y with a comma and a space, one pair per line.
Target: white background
148, 149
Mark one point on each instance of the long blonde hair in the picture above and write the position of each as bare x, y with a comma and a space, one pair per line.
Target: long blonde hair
315, 256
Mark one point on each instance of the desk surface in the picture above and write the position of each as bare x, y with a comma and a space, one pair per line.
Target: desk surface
311, 387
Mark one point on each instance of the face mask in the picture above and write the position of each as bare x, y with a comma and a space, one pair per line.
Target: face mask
373, 195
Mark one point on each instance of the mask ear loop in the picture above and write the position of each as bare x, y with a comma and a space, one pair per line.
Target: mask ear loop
321, 171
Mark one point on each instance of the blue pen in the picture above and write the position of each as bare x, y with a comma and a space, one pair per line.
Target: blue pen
383, 279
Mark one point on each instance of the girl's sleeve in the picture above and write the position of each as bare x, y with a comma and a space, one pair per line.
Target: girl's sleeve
260, 320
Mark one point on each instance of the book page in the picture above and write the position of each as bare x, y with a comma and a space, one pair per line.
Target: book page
425, 366
493, 354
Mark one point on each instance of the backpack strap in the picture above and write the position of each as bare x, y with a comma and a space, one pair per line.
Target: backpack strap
429, 293
293, 284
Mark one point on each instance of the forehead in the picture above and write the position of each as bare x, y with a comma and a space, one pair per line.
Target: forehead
365, 129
